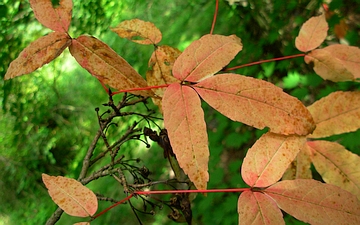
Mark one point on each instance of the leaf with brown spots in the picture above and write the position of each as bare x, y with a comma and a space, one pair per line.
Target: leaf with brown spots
107, 66
71, 196
138, 31
38, 53
206, 56
184, 121
267, 160
300, 168
256, 103
58, 18
337, 113
255, 208
336, 165
314, 202
312, 33
336, 62
160, 64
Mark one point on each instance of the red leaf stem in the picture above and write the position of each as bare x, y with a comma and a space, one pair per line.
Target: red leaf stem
116, 204
141, 88
215, 15
265, 61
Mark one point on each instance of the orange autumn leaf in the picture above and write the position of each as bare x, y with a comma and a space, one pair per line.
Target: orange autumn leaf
206, 56
160, 65
184, 121
336, 62
38, 53
337, 113
256, 103
314, 202
300, 168
312, 33
58, 18
255, 208
336, 165
267, 160
71, 196
106, 65
138, 31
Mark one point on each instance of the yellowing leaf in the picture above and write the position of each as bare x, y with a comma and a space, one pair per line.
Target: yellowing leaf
184, 121
300, 167
312, 33
206, 56
160, 65
57, 19
107, 66
82, 223
267, 160
38, 53
336, 113
336, 165
71, 196
255, 208
146, 32
336, 62
315, 202
256, 103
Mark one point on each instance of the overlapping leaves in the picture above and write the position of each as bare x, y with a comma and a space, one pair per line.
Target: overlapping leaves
335, 62
244, 99
253, 102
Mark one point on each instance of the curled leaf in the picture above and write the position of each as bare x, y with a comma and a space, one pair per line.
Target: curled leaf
103, 63
337, 113
138, 31
256, 103
38, 53
312, 33
184, 121
258, 209
71, 196
314, 202
57, 19
336, 165
206, 56
267, 160
160, 64
336, 62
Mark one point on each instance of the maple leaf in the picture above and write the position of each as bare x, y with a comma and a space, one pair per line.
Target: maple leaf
71, 196
312, 33
206, 56
337, 113
267, 160
258, 209
135, 28
314, 202
57, 19
336, 62
106, 65
184, 121
38, 53
336, 165
256, 103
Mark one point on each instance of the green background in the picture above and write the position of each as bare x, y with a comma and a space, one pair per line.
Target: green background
48, 118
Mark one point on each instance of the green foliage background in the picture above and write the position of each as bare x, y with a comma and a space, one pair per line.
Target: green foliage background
48, 118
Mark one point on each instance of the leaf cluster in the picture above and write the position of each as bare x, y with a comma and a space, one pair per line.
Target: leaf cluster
177, 82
